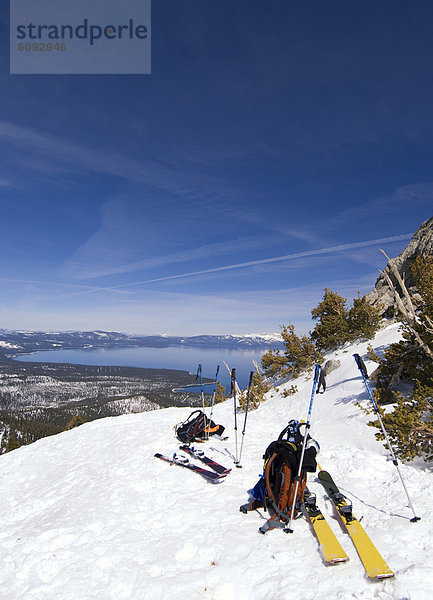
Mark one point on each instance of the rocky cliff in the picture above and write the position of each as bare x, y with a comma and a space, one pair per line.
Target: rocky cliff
420, 244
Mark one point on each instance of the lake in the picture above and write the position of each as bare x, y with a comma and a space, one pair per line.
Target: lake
185, 358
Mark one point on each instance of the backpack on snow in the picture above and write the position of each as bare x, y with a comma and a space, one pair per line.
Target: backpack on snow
197, 426
275, 489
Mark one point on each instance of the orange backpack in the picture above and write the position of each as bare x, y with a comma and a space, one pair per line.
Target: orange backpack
275, 490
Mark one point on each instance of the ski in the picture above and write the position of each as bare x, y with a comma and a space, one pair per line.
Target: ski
211, 476
374, 564
221, 438
330, 547
205, 459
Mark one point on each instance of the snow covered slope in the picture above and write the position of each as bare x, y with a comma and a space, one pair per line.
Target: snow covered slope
90, 514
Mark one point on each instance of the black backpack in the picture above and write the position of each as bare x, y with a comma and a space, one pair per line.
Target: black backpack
197, 427
275, 489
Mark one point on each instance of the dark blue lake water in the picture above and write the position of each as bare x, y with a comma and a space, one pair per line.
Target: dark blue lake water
173, 357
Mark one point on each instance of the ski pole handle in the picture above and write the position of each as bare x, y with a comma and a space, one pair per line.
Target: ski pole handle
216, 377
200, 373
233, 382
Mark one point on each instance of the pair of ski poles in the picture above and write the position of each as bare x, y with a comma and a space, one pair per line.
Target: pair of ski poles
237, 460
363, 371
233, 391
200, 374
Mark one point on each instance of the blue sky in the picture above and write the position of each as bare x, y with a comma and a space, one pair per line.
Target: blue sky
158, 203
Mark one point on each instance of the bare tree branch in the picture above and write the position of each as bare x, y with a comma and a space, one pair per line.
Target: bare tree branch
408, 314
400, 281
430, 322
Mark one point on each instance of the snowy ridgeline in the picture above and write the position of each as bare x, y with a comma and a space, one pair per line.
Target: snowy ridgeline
91, 514
20, 342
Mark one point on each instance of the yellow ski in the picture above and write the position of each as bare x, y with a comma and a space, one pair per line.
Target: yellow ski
374, 564
330, 547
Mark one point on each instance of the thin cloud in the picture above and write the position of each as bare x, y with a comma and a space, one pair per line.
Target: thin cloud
176, 313
193, 181
188, 180
263, 261
38, 298
86, 266
419, 195
63, 153
38, 282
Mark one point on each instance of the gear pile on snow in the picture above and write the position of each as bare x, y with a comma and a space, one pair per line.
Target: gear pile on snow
215, 476
282, 488
197, 427
275, 490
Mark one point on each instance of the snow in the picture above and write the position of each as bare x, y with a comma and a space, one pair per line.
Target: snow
91, 514
4, 344
268, 337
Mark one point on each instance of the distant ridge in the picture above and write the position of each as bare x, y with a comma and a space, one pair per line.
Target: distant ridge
23, 342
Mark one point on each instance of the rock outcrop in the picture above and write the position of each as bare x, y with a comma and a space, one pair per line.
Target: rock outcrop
330, 365
382, 295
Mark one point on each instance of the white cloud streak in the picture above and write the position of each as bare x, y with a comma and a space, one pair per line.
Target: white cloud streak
414, 196
188, 313
253, 263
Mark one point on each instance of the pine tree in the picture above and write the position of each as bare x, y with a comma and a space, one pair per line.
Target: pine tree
363, 319
76, 421
12, 443
220, 393
299, 355
410, 424
259, 388
242, 399
332, 328
422, 270
275, 364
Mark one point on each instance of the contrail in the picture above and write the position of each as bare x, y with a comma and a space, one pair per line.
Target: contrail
262, 261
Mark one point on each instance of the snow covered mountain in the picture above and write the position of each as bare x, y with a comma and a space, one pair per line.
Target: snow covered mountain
19, 342
91, 514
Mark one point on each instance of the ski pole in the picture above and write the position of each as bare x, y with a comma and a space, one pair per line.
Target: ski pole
363, 370
200, 373
245, 420
213, 398
233, 391
317, 370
